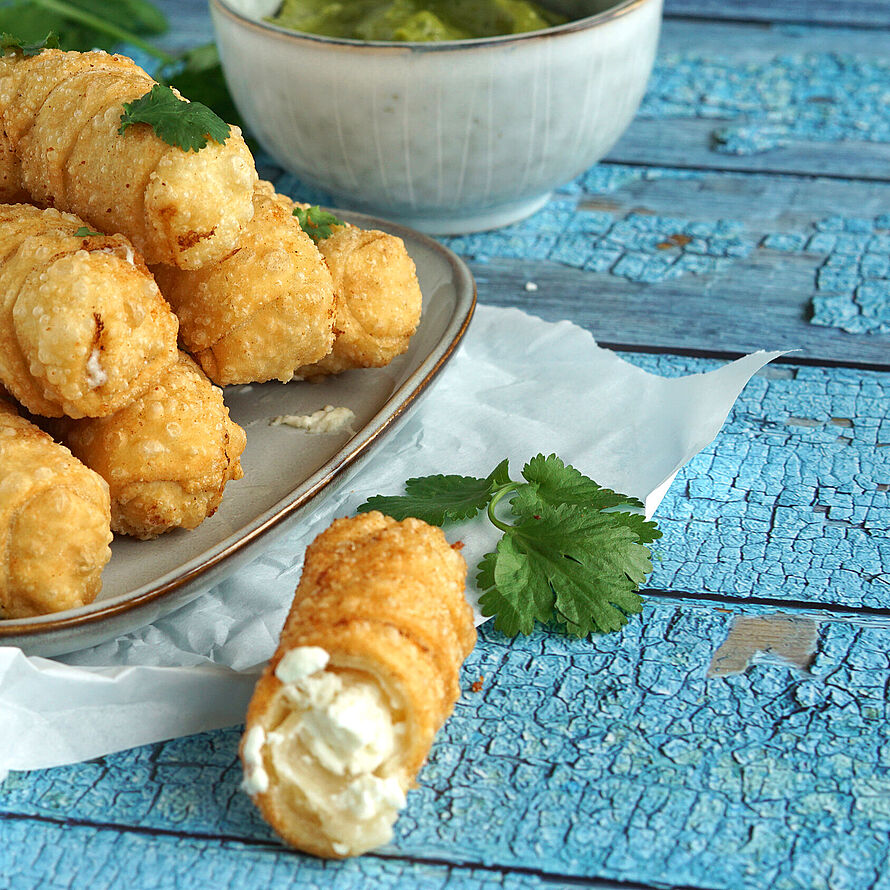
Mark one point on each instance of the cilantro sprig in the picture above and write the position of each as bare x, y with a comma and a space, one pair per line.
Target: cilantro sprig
318, 224
573, 554
188, 125
87, 232
13, 43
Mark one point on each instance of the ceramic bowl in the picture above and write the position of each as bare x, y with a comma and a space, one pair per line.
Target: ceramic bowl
448, 137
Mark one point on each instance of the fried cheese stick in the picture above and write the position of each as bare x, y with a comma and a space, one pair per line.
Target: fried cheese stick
166, 456
54, 523
377, 299
61, 112
365, 674
262, 312
83, 326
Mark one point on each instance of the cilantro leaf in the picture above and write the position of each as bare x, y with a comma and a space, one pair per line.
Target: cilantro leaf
581, 566
318, 224
198, 75
9, 42
503, 573
553, 482
187, 125
85, 232
559, 483
645, 529
439, 499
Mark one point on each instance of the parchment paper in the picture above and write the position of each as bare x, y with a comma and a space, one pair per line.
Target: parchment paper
517, 386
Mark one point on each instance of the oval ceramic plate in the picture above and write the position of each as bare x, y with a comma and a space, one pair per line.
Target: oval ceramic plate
284, 470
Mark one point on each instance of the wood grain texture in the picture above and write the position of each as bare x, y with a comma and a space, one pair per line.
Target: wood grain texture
691, 143
44, 856
864, 13
765, 99
791, 501
696, 260
618, 759
761, 42
615, 757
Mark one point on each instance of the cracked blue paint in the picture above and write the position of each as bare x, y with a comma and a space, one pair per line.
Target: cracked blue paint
108, 861
791, 501
636, 767
853, 282
637, 246
814, 97
851, 286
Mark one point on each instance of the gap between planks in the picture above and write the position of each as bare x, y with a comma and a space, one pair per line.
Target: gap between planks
789, 359
275, 848
863, 14
677, 14
870, 616
630, 151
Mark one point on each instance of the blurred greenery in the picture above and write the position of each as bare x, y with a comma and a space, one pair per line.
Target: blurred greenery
99, 24
32, 19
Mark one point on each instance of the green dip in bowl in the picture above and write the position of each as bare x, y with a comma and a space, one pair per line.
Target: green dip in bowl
414, 20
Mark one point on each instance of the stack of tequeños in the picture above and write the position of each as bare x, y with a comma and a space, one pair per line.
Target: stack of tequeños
89, 341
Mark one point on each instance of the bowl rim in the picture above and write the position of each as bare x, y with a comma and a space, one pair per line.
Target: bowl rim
618, 9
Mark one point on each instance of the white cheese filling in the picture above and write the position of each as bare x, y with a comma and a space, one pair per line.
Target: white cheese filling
256, 779
96, 375
334, 749
129, 256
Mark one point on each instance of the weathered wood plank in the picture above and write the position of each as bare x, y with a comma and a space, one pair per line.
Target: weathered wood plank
687, 260
792, 501
687, 143
729, 316
621, 757
759, 43
771, 99
59, 856
864, 13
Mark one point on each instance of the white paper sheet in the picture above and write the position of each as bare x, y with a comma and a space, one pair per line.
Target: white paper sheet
517, 386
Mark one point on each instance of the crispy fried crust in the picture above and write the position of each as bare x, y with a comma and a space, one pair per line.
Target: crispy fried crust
166, 456
83, 326
54, 523
377, 300
261, 312
11, 189
385, 600
60, 113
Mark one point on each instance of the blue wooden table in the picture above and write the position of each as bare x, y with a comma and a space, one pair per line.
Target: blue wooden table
736, 734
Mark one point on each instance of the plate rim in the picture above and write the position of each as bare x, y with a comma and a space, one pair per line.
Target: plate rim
417, 383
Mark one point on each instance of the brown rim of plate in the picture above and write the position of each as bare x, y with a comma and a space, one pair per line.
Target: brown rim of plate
591, 21
15, 626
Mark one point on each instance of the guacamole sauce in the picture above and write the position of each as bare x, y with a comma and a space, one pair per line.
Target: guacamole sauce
414, 20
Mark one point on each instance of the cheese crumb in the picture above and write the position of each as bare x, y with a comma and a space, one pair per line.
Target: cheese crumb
327, 420
256, 779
